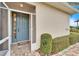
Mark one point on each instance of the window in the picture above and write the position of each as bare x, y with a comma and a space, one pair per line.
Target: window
4, 48
2, 5
3, 29
3, 22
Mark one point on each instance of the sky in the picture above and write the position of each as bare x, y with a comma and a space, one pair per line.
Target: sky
74, 17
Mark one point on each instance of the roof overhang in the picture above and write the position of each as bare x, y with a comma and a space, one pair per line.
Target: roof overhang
63, 6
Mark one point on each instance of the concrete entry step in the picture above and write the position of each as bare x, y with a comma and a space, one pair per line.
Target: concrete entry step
21, 49
3, 52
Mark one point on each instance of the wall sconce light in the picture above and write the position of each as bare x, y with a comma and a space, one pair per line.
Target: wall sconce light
21, 5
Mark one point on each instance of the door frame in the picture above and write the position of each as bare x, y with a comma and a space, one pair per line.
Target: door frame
13, 10
12, 27
32, 45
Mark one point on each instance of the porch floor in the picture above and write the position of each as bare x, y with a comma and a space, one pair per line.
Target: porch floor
22, 49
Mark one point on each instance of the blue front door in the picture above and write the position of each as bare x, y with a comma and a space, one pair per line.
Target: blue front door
22, 27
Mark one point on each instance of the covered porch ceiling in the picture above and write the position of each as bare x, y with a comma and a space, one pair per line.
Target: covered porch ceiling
74, 3
63, 6
22, 6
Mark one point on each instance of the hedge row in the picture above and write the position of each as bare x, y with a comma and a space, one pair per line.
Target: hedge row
60, 43
74, 30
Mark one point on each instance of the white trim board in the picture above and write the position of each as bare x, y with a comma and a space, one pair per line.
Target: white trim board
20, 41
3, 8
3, 40
20, 11
5, 4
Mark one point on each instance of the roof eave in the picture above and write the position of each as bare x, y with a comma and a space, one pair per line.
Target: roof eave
74, 9
64, 4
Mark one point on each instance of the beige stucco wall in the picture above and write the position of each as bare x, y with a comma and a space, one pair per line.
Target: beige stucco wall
50, 20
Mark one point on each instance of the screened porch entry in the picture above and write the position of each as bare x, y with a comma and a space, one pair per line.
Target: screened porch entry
23, 27
3, 30
23, 18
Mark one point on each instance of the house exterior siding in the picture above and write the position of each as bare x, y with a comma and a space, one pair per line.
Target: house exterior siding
50, 20
43, 18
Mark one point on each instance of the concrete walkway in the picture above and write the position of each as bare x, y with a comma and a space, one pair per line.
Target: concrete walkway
22, 50
70, 51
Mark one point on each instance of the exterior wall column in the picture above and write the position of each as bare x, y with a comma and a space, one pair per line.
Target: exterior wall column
9, 30
31, 30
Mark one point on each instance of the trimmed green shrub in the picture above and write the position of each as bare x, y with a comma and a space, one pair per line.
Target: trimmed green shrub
74, 37
57, 44
46, 43
74, 30
60, 43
